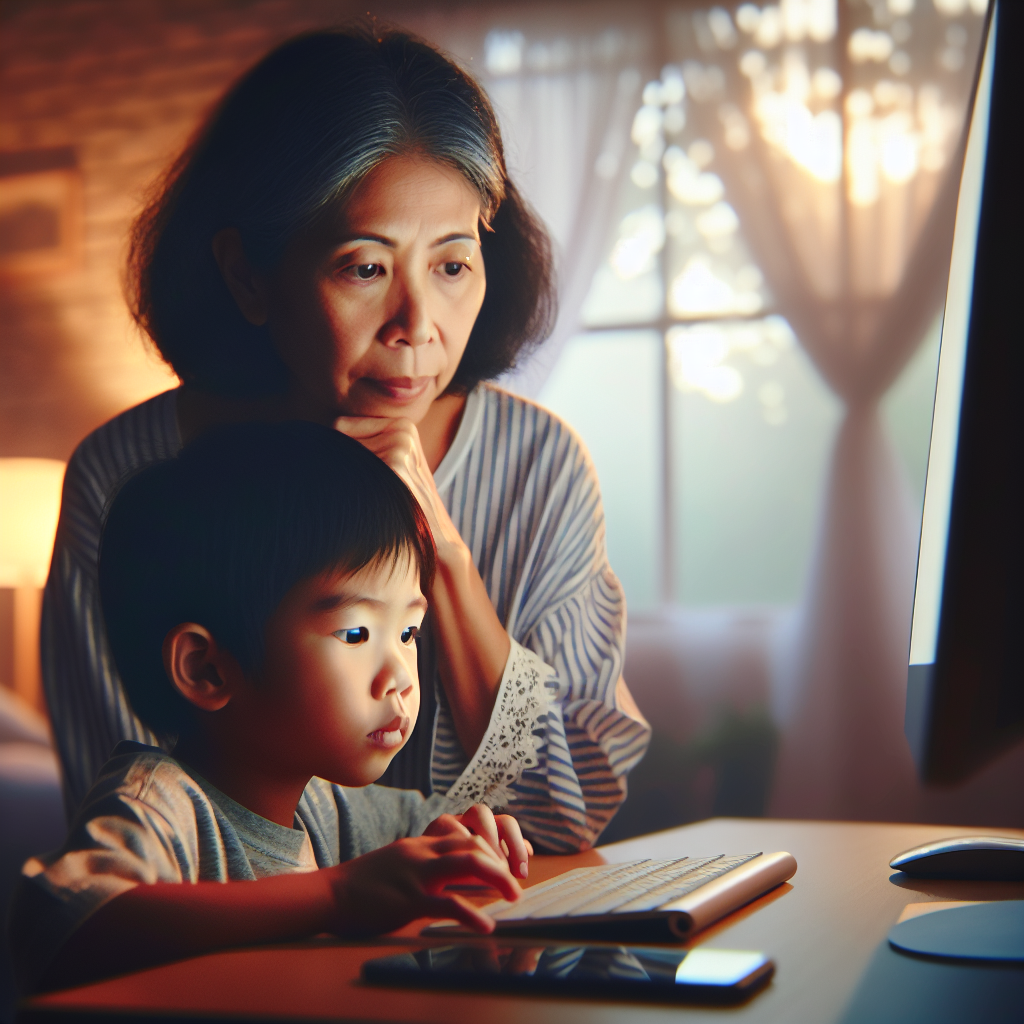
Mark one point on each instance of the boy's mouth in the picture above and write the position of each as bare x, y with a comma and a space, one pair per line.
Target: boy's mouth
392, 734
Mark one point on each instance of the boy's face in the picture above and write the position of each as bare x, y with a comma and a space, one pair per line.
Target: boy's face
339, 692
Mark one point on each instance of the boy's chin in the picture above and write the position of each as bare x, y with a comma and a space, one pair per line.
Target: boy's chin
356, 777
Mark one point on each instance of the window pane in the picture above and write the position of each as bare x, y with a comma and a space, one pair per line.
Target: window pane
607, 386
752, 429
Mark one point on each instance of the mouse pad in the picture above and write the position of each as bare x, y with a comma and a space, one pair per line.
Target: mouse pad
975, 931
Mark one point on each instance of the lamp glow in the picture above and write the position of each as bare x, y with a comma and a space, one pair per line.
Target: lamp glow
30, 492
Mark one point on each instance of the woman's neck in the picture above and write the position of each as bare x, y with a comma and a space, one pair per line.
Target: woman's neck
439, 427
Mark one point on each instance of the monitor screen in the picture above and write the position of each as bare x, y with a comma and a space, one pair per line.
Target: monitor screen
965, 695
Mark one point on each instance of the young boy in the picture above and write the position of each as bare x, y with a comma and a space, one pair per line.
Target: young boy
262, 593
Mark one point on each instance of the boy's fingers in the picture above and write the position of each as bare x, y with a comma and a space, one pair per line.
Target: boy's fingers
515, 845
474, 864
465, 843
479, 819
463, 912
446, 825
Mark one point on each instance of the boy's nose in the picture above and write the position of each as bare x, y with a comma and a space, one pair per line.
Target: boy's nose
392, 678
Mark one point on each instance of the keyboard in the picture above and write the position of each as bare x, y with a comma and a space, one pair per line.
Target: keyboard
644, 899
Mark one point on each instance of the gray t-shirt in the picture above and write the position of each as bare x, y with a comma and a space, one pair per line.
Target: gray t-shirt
150, 819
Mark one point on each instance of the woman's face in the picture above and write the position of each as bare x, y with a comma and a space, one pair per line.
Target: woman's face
372, 308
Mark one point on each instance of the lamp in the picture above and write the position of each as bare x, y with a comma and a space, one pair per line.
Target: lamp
30, 492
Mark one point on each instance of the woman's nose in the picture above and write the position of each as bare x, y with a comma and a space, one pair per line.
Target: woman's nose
412, 324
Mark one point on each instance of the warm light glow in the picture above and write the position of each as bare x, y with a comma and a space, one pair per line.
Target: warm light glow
503, 52
699, 355
866, 45
641, 237
687, 183
699, 291
696, 363
29, 506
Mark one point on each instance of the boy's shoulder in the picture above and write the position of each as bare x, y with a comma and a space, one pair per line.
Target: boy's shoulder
139, 772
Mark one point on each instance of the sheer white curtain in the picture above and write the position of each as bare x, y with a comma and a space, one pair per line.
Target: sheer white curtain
565, 84
842, 162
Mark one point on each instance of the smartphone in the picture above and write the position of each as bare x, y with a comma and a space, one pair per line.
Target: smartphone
595, 972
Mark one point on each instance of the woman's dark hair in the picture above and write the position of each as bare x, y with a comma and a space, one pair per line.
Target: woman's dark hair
297, 132
219, 534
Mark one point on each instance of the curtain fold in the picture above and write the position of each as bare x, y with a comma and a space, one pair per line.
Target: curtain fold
568, 140
859, 275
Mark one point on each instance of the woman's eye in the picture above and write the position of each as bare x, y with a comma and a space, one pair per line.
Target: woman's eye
409, 634
367, 271
359, 635
453, 269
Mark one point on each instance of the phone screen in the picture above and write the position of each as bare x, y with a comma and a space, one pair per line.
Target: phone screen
594, 971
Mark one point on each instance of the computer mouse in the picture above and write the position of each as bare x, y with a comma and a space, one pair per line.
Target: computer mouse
977, 858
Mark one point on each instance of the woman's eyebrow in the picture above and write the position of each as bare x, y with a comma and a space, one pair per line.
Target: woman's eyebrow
456, 237
364, 237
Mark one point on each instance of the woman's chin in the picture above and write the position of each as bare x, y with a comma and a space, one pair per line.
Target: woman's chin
375, 402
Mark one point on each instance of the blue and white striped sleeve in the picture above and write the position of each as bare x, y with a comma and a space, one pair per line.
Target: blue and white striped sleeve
565, 731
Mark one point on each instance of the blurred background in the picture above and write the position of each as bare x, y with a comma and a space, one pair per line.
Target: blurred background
752, 206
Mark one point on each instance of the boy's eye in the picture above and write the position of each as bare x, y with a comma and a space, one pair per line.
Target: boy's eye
409, 634
453, 269
358, 635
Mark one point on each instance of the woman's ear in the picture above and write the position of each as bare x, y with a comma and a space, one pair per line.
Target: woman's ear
203, 673
246, 286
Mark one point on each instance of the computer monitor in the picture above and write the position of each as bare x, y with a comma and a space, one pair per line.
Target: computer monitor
965, 691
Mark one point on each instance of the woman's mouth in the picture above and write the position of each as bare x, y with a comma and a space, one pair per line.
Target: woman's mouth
400, 389
391, 735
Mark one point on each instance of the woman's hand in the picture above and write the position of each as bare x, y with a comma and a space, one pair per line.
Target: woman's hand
472, 644
397, 442
501, 832
398, 883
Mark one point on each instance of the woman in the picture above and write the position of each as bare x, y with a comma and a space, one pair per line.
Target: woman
341, 243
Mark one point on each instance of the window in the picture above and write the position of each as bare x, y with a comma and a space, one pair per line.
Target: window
710, 422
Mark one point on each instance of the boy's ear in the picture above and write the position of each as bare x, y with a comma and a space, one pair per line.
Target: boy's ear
246, 286
203, 673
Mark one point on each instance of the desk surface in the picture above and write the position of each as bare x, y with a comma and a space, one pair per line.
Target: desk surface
825, 929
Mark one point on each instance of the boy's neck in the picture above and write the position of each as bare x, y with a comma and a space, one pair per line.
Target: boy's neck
242, 779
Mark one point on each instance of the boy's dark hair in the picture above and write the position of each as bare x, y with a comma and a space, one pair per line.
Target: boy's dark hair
300, 131
219, 534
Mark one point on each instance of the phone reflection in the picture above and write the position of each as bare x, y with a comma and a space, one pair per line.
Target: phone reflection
578, 968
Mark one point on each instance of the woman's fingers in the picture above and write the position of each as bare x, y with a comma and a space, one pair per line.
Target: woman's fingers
365, 426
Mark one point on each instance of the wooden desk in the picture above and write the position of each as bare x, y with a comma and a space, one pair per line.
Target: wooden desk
825, 930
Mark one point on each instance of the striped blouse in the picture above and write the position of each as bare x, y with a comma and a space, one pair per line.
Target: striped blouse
523, 494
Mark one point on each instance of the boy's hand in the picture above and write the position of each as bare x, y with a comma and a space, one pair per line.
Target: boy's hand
385, 889
501, 832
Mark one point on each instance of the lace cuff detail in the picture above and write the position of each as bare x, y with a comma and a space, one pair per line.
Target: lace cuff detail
509, 746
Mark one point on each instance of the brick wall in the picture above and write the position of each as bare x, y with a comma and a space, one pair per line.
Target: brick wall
124, 82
